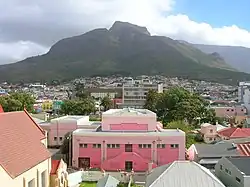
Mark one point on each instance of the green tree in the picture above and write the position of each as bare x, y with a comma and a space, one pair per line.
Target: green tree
106, 102
179, 104
17, 101
151, 100
78, 107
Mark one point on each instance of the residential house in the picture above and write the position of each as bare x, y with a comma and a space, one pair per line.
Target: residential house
180, 174
208, 155
24, 158
107, 181
234, 171
229, 111
234, 132
57, 128
58, 174
127, 139
209, 132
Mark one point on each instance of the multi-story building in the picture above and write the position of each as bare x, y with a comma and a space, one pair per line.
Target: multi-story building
127, 139
134, 92
241, 90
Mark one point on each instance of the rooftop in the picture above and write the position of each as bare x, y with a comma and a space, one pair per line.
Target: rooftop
169, 175
70, 118
128, 111
242, 163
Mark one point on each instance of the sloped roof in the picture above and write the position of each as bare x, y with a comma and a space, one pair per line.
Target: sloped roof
235, 132
21, 147
192, 175
216, 150
107, 181
54, 166
242, 163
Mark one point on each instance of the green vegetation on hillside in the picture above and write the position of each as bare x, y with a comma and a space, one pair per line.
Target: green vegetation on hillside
125, 49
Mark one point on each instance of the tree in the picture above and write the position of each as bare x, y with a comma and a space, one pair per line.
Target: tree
179, 104
151, 100
78, 107
17, 101
106, 103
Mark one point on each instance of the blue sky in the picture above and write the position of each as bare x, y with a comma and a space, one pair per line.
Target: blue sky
217, 13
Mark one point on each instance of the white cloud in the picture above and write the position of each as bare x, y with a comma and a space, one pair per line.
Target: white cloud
12, 52
43, 22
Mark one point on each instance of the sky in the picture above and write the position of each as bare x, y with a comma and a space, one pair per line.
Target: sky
31, 27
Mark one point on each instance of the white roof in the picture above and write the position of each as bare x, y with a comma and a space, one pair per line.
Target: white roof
205, 124
183, 173
70, 118
128, 111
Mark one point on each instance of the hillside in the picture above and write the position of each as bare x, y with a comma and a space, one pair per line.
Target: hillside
124, 49
237, 57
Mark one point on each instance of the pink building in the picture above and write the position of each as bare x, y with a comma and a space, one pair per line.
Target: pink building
230, 111
127, 139
57, 128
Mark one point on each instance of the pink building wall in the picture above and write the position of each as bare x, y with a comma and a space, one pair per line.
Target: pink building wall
108, 121
114, 158
230, 111
129, 126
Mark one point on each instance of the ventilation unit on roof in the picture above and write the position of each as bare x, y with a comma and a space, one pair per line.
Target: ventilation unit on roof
234, 145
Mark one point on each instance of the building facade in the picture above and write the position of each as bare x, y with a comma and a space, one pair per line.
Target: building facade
127, 139
134, 93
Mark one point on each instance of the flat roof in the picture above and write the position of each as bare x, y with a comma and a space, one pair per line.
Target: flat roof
69, 117
242, 163
99, 132
128, 111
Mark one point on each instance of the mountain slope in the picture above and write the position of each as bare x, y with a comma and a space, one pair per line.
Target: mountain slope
123, 49
237, 57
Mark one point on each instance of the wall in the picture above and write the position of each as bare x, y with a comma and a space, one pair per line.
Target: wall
75, 178
229, 111
163, 155
59, 129
109, 120
129, 126
226, 178
27, 176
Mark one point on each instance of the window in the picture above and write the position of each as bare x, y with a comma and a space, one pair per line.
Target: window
96, 145
61, 138
161, 146
140, 145
232, 110
113, 146
83, 145
43, 178
55, 138
31, 183
145, 146
128, 147
174, 146
210, 139
237, 179
227, 109
211, 130
228, 172
221, 167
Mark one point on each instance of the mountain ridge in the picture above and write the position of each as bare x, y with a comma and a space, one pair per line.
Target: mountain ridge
125, 49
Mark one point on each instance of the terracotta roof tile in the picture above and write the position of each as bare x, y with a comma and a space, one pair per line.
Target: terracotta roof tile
235, 132
54, 166
21, 147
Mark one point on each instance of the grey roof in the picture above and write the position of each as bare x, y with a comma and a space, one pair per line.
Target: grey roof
192, 175
216, 150
242, 163
155, 173
236, 140
107, 181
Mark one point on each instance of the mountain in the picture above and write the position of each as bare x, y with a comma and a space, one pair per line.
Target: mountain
237, 57
124, 49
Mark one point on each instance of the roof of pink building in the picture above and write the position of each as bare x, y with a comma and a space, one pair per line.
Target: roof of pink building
21, 147
235, 132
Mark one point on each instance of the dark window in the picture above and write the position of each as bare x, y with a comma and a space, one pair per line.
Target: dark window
83, 145
227, 109
128, 165
96, 145
237, 179
221, 167
232, 110
174, 146
108, 145
128, 147
55, 138
61, 138
140, 145
161, 146
149, 145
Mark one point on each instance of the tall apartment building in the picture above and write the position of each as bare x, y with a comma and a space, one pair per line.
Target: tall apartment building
244, 94
134, 92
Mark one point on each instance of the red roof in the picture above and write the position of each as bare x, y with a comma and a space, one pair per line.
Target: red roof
235, 132
244, 149
54, 166
21, 147
1, 109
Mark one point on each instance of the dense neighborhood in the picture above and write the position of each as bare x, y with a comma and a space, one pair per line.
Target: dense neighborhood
125, 131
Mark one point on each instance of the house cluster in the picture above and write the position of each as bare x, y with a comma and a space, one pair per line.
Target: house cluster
126, 145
